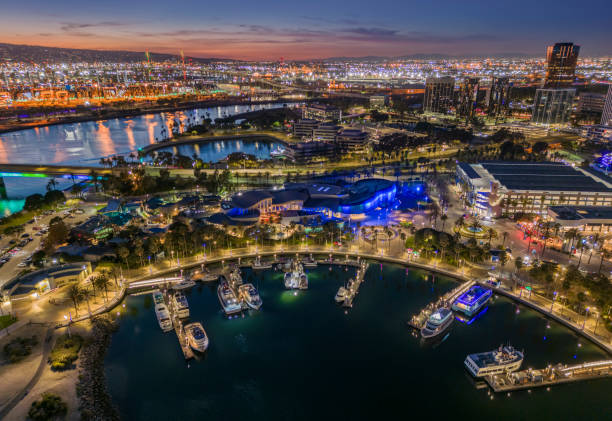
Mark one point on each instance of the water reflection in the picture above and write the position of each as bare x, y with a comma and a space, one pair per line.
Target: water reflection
87, 142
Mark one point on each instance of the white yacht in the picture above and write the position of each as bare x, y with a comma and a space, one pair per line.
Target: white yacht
296, 278
185, 284
158, 298
258, 264
235, 277
438, 322
250, 296
196, 336
340, 295
163, 317
505, 359
228, 299
179, 301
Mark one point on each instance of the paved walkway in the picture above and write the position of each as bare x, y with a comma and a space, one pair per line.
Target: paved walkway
39, 371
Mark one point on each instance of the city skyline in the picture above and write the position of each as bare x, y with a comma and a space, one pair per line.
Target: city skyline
269, 30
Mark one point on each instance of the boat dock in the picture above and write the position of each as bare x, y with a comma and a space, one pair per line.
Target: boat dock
353, 289
549, 376
178, 328
418, 321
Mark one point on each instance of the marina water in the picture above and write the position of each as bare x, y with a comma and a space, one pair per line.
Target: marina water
304, 357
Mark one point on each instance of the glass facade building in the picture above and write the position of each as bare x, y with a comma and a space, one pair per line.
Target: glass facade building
468, 95
553, 106
439, 93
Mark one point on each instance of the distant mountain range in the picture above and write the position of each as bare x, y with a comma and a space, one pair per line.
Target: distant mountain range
39, 54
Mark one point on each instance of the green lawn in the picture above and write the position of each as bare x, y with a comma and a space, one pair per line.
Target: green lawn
6, 321
65, 351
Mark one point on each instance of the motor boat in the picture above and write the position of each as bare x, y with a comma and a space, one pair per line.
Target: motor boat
196, 336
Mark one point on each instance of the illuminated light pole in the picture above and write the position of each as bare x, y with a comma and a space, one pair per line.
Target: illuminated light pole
586, 314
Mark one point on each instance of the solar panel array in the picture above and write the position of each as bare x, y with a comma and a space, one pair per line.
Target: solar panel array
543, 176
469, 171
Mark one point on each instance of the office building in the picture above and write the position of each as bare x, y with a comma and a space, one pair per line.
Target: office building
597, 133
467, 97
439, 94
589, 220
553, 106
303, 128
606, 115
321, 112
561, 60
497, 97
378, 101
496, 188
351, 140
308, 151
325, 132
589, 102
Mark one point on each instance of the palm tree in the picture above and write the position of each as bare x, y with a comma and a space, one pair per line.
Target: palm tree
582, 248
504, 236
492, 234
75, 293
443, 218
102, 283
444, 243
605, 254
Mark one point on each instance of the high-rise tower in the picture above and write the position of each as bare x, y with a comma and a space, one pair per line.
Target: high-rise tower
561, 60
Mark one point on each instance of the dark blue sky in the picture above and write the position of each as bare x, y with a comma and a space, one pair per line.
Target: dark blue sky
267, 29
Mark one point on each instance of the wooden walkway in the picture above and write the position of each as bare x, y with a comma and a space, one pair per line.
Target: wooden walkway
550, 376
178, 328
418, 320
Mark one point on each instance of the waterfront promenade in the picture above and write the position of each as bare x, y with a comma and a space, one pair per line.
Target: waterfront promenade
585, 325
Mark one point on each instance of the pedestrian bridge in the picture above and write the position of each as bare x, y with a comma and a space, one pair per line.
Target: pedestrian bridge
65, 171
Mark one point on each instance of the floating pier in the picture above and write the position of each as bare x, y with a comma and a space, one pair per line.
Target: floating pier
418, 321
549, 376
178, 328
353, 288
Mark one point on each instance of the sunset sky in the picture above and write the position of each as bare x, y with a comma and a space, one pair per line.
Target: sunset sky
267, 29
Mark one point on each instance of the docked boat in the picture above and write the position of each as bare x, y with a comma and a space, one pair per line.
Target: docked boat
158, 298
185, 284
505, 359
439, 321
296, 278
341, 295
471, 301
196, 336
258, 264
309, 262
179, 301
251, 297
228, 299
163, 317
234, 277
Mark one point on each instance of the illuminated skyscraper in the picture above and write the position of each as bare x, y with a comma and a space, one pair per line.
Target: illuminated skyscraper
439, 94
468, 94
497, 97
606, 115
561, 60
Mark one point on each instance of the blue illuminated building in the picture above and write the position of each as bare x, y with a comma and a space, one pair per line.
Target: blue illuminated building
309, 199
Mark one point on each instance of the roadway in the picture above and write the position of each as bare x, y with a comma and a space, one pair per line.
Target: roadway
11, 268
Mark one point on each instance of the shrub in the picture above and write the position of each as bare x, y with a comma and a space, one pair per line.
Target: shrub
49, 407
7, 320
65, 351
19, 348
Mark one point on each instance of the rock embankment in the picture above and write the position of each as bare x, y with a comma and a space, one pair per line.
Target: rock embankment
94, 401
